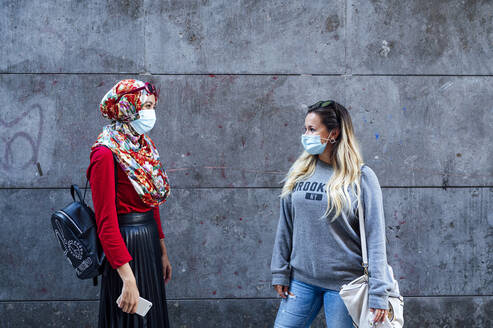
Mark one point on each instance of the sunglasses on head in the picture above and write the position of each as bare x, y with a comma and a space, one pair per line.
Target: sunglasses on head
147, 86
321, 104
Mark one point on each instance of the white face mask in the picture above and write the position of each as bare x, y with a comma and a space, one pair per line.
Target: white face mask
146, 121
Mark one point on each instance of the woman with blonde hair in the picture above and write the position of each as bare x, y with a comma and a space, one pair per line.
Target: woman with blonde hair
317, 246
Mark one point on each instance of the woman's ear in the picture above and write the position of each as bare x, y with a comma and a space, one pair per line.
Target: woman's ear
335, 134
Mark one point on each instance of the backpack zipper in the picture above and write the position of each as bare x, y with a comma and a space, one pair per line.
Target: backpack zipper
72, 221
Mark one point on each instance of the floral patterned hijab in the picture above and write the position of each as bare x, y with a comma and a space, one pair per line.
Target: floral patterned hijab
137, 155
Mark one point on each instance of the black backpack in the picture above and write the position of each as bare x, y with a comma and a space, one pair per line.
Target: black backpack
76, 231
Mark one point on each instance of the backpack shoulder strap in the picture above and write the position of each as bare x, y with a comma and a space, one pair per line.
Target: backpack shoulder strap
362, 231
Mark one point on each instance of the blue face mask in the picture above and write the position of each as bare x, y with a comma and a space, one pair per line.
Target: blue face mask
312, 144
146, 121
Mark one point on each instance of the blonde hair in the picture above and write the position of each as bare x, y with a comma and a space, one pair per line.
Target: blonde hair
346, 161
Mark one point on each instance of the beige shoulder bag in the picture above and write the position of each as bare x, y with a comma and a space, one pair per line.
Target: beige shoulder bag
355, 294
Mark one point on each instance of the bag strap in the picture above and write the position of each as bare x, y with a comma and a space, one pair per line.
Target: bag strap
85, 190
74, 190
87, 182
362, 232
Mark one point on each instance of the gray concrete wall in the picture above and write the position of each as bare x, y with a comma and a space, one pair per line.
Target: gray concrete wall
234, 76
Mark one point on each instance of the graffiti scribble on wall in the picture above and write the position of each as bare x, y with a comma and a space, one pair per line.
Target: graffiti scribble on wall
20, 138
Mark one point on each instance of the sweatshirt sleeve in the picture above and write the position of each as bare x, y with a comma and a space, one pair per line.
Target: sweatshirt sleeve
101, 175
157, 218
280, 267
380, 281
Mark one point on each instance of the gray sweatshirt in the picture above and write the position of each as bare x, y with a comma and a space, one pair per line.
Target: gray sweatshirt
311, 249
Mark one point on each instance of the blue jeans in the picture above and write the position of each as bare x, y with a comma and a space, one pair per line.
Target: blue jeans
301, 309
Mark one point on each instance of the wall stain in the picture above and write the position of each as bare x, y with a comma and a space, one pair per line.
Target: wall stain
332, 23
128, 8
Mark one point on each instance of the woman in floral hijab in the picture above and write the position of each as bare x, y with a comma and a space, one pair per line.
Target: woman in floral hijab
136, 153
128, 184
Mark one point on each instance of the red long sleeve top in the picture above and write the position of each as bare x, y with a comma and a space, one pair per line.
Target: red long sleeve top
101, 176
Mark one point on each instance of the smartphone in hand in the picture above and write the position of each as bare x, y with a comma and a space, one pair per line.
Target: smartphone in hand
142, 307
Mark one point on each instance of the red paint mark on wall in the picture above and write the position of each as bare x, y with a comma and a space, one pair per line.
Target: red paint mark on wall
39, 87
223, 171
178, 169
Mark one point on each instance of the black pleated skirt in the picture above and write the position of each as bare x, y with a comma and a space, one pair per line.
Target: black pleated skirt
139, 231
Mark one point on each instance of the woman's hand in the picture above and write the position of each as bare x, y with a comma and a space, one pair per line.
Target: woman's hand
166, 268
380, 314
283, 290
130, 293
164, 259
